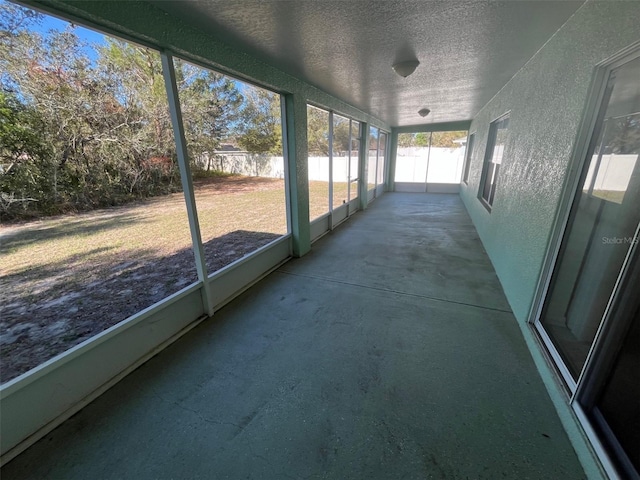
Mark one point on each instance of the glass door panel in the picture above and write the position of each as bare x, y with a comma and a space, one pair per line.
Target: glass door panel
372, 161
340, 158
382, 150
446, 157
617, 410
354, 161
412, 157
318, 161
601, 226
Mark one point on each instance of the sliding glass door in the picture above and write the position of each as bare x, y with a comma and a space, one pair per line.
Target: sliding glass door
589, 318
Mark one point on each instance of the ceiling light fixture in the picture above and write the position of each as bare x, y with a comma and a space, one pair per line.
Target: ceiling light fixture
424, 112
404, 69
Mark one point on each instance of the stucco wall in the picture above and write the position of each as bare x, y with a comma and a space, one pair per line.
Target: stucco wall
546, 99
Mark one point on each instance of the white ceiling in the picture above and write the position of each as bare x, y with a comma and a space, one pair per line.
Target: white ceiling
468, 49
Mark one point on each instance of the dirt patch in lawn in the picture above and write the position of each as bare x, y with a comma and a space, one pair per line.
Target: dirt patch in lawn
66, 279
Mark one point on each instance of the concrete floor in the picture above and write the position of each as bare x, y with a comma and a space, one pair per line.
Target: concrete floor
388, 352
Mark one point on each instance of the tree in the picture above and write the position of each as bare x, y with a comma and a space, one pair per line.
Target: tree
210, 104
143, 149
623, 135
23, 154
438, 139
260, 124
406, 140
421, 139
50, 75
88, 125
20, 127
318, 132
14, 20
447, 139
340, 134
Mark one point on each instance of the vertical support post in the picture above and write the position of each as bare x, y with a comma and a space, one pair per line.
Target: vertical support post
330, 170
296, 150
363, 165
391, 164
349, 168
285, 165
375, 174
169, 75
426, 177
384, 154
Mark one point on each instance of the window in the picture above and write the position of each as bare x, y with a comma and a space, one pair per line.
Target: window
467, 161
493, 159
412, 156
603, 222
95, 162
373, 158
446, 157
234, 139
382, 149
318, 161
340, 159
332, 161
354, 161
590, 318
430, 158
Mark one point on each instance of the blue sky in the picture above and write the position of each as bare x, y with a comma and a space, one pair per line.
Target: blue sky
53, 23
49, 22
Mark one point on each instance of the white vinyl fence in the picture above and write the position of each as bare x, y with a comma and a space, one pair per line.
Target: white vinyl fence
444, 165
614, 173
416, 165
260, 165
243, 163
319, 169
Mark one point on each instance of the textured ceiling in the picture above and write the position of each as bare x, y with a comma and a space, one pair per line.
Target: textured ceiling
467, 49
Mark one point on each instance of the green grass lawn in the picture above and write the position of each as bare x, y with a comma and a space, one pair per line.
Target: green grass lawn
319, 197
158, 225
66, 278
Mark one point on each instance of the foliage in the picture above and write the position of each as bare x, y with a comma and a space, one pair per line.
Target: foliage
210, 103
20, 128
200, 174
405, 140
317, 132
421, 139
83, 126
438, 139
20, 145
93, 125
622, 135
341, 136
447, 139
261, 130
